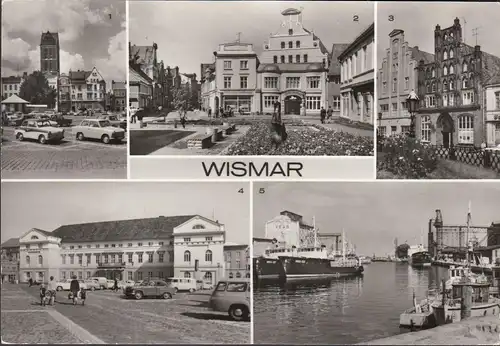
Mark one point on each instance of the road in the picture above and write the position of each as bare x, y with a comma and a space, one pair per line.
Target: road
109, 318
69, 159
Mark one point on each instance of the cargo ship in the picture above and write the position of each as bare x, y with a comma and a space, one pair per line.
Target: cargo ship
421, 259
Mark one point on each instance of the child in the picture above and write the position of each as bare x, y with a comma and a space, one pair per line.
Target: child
43, 295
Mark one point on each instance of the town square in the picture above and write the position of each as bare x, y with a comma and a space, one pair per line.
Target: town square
265, 81
176, 273
63, 90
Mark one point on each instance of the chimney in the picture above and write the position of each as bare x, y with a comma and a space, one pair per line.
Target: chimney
438, 222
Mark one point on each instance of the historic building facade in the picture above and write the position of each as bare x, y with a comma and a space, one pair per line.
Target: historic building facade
10, 260
293, 69
118, 97
237, 261
186, 246
357, 78
145, 58
334, 78
397, 77
12, 85
140, 88
87, 90
492, 111
451, 91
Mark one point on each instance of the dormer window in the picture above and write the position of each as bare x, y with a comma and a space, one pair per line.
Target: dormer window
290, 31
34, 237
198, 226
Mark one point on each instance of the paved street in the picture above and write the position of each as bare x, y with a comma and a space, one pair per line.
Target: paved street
69, 159
109, 318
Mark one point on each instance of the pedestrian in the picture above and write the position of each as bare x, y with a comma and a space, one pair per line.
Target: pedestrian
183, 120
30, 281
116, 285
140, 116
43, 295
323, 115
74, 288
209, 112
329, 113
52, 288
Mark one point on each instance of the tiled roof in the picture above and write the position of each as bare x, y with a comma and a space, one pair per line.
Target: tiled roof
137, 75
12, 242
418, 55
79, 75
12, 79
48, 234
118, 85
151, 228
491, 69
337, 48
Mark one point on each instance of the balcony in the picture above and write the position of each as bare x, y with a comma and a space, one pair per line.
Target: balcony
111, 265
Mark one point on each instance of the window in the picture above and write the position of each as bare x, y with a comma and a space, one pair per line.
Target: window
313, 102
430, 101
293, 82
426, 128
187, 256
270, 82
464, 67
405, 129
34, 237
297, 44
445, 86
139, 276
451, 100
384, 86
269, 101
290, 31
230, 276
238, 263
129, 244
394, 107
139, 244
89, 259
130, 254
383, 131
465, 83
113, 245
497, 100
227, 65
305, 57
290, 44
275, 59
467, 98
227, 82
97, 246
208, 276
282, 59
208, 238
120, 245
243, 64
63, 259
452, 85
313, 82
40, 259
445, 55
72, 247
150, 243
445, 100
466, 129
188, 239
71, 259
129, 274
433, 72
150, 257
80, 275
161, 256
160, 275
106, 245
297, 58
120, 258
63, 274
208, 256
139, 258
445, 71
88, 275
80, 259
336, 103
452, 69
106, 258
97, 258
407, 83
160, 243
451, 50
243, 82
282, 45
433, 87
290, 59
394, 84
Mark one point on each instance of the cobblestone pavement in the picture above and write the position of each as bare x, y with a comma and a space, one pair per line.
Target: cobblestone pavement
69, 159
183, 319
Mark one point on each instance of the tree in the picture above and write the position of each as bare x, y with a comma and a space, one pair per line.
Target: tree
36, 90
402, 251
181, 97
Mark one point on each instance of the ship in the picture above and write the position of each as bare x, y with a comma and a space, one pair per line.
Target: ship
420, 259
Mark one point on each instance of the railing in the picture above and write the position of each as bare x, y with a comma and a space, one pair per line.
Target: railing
470, 155
111, 264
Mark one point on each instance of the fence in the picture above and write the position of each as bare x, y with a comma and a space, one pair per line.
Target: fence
470, 155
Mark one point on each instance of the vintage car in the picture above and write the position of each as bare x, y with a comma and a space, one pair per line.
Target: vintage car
92, 285
150, 288
61, 120
40, 130
114, 120
98, 129
233, 297
65, 284
18, 119
45, 117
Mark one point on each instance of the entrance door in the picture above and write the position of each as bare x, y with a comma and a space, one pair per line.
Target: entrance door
497, 134
446, 139
292, 105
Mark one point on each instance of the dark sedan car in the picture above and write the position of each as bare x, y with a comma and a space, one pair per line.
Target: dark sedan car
150, 288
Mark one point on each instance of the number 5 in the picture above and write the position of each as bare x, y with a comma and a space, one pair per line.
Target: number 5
262, 190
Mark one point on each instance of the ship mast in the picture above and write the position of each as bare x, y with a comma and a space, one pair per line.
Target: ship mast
315, 233
469, 246
343, 244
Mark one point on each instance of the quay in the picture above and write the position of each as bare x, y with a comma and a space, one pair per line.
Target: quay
487, 270
472, 331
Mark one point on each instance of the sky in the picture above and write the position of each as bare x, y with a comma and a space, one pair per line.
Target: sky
88, 36
48, 205
418, 20
187, 33
374, 214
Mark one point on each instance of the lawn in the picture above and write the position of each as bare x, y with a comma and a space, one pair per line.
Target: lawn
144, 142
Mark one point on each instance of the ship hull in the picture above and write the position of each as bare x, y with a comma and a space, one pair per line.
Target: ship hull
297, 268
420, 260
268, 269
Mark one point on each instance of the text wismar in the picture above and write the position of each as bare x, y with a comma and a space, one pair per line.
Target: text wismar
250, 169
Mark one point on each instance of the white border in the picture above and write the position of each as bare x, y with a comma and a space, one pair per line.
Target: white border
128, 88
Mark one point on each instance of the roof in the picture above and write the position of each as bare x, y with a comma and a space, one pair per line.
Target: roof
418, 55
136, 229
12, 242
368, 32
48, 234
49, 38
267, 240
118, 85
321, 45
75, 75
491, 69
234, 245
137, 75
12, 79
14, 99
337, 49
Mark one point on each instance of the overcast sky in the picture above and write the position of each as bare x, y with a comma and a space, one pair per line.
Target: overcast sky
88, 36
374, 214
187, 33
418, 20
49, 205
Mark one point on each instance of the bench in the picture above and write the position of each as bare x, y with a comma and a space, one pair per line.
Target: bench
228, 129
218, 135
201, 141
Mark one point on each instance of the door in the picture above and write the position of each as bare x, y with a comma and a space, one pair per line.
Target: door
497, 134
446, 139
292, 105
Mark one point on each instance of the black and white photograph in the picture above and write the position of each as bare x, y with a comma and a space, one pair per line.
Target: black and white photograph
164, 263
439, 112
63, 89
414, 263
251, 78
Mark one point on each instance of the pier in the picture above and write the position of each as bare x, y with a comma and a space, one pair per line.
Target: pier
473, 331
487, 270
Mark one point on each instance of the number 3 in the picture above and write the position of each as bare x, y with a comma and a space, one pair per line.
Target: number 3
391, 18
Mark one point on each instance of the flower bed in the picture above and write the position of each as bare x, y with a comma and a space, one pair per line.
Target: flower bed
406, 157
301, 141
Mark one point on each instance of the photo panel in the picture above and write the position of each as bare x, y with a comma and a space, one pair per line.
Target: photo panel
438, 91
375, 262
157, 262
63, 89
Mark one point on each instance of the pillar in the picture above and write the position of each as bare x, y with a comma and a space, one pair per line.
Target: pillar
466, 305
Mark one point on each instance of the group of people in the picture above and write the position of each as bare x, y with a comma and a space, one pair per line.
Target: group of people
221, 113
326, 114
48, 294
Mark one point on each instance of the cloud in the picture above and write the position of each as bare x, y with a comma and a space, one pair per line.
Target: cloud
115, 66
71, 62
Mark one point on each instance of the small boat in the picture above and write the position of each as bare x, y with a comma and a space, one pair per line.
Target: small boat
420, 316
421, 259
365, 260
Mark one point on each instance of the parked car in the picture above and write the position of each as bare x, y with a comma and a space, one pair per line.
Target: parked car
110, 284
39, 130
183, 284
18, 119
232, 296
101, 280
98, 129
61, 120
45, 117
150, 288
115, 121
92, 285
208, 285
125, 284
63, 285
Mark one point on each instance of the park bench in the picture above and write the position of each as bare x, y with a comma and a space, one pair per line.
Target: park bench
228, 129
201, 141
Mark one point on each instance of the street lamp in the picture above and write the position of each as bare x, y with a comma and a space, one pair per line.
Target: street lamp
412, 103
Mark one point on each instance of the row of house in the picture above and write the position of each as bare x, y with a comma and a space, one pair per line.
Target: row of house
458, 86
189, 246
296, 69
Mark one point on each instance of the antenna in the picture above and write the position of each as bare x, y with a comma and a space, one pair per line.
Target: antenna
475, 32
465, 30
238, 40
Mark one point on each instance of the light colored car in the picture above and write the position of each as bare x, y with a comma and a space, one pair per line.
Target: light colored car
40, 130
111, 284
63, 285
233, 297
46, 117
92, 285
125, 284
98, 129
150, 288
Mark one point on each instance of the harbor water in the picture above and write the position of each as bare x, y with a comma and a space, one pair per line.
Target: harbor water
342, 310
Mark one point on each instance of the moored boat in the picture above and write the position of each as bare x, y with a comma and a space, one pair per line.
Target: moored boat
421, 259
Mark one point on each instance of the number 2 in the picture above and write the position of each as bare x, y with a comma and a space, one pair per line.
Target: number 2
355, 18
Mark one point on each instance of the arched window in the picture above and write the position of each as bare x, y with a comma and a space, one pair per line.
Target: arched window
297, 44
275, 59
445, 55
198, 226
465, 83
290, 44
433, 72
471, 65
451, 53
230, 275
464, 67
248, 275
40, 259
466, 129
445, 70
282, 45
452, 85
433, 87
34, 237
208, 276
452, 69
445, 85
208, 256
428, 88
187, 275
445, 37
187, 256
238, 275
28, 260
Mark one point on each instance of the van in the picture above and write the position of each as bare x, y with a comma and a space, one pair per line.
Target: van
183, 284
233, 297
101, 280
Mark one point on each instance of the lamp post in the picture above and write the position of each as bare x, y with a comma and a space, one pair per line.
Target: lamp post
412, 102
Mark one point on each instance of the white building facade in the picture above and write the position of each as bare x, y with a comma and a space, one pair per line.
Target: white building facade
357, 78
492, 114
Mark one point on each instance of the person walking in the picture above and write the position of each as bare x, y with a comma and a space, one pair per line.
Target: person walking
115, 287
74, 288
52, 288
140, 115
209, 112
329, 113
323, 115
30, 281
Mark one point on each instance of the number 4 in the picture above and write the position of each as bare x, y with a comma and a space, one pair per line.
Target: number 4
241, 190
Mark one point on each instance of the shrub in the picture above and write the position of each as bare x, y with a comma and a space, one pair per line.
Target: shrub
406, 157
